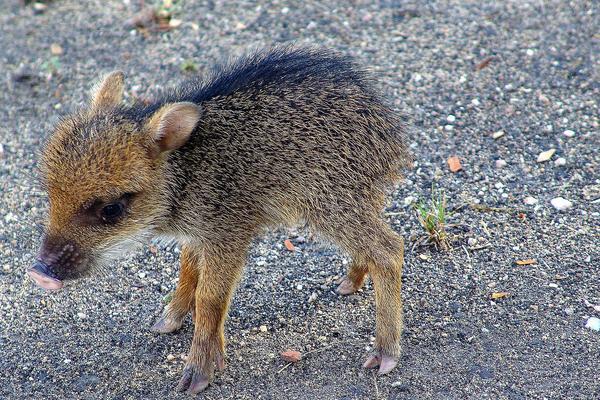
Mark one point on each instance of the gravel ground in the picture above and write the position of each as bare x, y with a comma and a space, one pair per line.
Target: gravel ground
461, 70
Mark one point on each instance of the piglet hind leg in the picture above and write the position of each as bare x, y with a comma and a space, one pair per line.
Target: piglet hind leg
183, 298
386, 273
218, 275
378, 250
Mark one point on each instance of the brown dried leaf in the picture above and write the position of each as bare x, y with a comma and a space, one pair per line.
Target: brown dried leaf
292, 356
289, 245
499, 295
484, 63
528, 261
454, 164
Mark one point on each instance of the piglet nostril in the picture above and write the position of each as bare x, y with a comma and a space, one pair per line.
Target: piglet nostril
43, 268
41, 274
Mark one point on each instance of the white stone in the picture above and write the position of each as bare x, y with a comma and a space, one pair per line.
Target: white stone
546, 155
593, 323
263, 328
500, 164
561, 204
450, 118
530, 200
559, 162
471, 241
530, 52
81, 315
499, 185
498, 134
569, 133
448, 127
475, 102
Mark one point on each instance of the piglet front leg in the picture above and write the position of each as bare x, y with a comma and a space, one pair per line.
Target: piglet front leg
219, 269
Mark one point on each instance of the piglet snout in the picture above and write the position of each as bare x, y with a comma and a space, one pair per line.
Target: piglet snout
41, 274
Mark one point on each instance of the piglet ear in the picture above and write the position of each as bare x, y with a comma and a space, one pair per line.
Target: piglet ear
108, 92
171, 126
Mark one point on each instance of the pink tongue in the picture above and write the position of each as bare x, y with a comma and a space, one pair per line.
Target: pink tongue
44, 281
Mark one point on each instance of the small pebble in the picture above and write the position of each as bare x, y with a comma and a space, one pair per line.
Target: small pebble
312, 297
475, 102
450, 118
142, 275
498, 134
569, 310
263, 328
81, 315
569, 133
559, 162
546, 155
299, 287
449, 127
500, 164
561, 204
170, 357
471, 241
593, 323
408, 201
530, 200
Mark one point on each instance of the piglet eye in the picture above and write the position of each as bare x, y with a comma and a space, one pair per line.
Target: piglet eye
111, 212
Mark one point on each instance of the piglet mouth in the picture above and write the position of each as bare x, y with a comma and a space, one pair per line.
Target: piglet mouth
42, 275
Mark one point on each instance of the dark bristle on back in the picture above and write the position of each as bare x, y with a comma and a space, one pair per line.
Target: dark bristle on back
282, 66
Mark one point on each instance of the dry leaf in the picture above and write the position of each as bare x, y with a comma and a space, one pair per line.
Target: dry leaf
291, 356
454, 164
528, 261
546, 155
55, 49
484, 63
289, 245
499, 295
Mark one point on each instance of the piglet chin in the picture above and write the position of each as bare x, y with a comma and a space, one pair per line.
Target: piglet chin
42, 280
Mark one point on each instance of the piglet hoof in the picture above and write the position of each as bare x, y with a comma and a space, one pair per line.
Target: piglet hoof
166, 324
199, 371
379, 359
346, 287
193, 380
